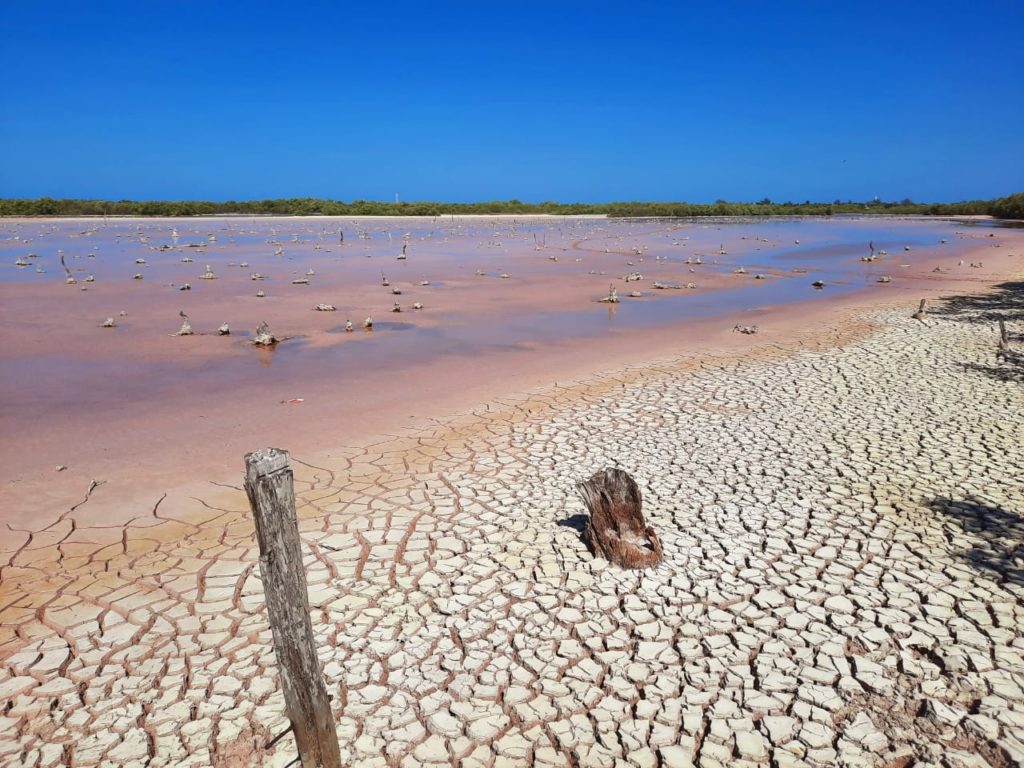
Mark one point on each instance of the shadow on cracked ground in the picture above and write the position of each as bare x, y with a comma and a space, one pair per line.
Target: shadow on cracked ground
1000, 552
1006, 302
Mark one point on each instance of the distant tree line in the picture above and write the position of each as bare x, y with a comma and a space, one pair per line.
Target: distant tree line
1011, 207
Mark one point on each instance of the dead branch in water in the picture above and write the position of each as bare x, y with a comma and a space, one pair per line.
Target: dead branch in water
186, 326
616, 529
70, 279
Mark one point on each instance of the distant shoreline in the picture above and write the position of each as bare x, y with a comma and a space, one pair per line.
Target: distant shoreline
507, 216
1009, 207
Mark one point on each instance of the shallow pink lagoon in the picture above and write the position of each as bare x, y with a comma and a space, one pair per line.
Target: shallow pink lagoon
508, 304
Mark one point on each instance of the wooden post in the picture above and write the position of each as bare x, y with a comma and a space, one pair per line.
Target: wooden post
268, 483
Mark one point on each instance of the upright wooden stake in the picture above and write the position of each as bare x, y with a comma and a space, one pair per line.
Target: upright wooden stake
268, 483
1004, 337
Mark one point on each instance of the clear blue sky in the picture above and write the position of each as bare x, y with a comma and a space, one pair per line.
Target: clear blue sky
587, 101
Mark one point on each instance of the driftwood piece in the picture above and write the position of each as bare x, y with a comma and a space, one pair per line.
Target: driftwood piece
616, 529
269, 486
1004, 338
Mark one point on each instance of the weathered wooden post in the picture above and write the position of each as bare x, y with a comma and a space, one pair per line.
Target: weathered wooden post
268, 483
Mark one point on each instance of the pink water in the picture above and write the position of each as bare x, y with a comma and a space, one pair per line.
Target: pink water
136, 401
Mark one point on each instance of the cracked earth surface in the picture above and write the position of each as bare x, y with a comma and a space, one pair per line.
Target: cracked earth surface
843, 583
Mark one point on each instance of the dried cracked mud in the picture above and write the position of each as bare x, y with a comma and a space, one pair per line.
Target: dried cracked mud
843, 582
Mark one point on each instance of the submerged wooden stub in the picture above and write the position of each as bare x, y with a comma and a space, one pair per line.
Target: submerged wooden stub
269, 485
616, 529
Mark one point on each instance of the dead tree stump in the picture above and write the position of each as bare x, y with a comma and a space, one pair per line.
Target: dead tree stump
268, 483
263, 337
921, 311
616, 529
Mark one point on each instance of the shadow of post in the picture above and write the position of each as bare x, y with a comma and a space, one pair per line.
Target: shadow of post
1000, 553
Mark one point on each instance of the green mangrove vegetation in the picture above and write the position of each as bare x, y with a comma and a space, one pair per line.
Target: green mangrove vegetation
1010, 207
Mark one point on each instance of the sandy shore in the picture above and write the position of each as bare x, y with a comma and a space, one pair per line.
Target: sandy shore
841, 511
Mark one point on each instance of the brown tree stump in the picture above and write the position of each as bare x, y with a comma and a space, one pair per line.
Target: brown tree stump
616, 529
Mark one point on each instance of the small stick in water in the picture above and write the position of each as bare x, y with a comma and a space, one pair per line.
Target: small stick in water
70, 279
186, 326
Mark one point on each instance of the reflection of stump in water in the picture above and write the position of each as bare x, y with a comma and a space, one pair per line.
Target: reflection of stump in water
616, 530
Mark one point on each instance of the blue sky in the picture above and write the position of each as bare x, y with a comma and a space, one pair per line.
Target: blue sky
482, 100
